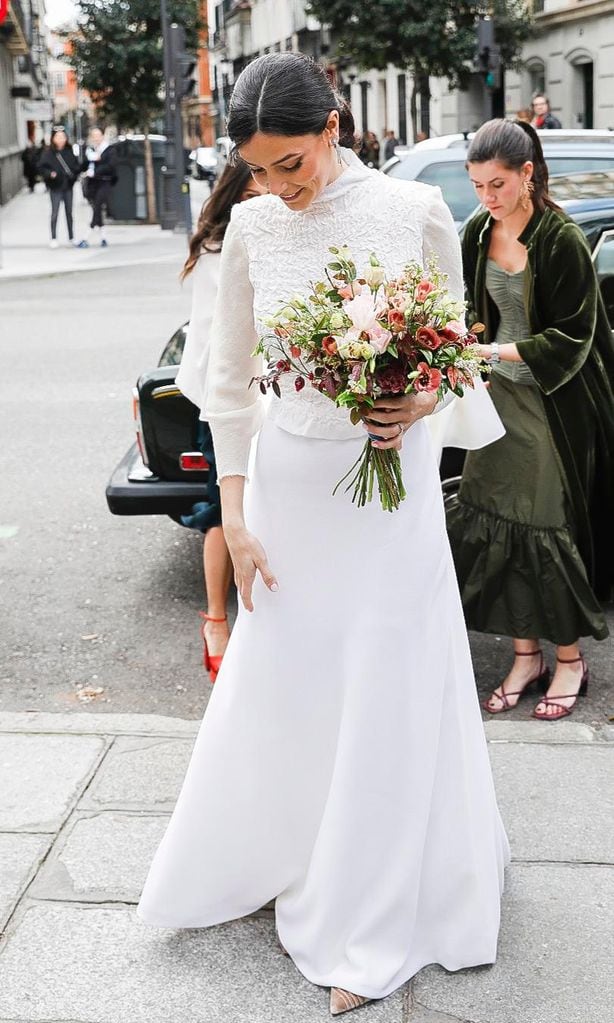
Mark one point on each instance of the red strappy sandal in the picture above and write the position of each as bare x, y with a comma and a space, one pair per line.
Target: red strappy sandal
563, 711
542, 680
212, 662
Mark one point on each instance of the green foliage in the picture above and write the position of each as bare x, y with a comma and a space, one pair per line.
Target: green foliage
436, 38
117, 55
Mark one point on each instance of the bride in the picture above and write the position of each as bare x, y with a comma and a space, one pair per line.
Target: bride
341, 767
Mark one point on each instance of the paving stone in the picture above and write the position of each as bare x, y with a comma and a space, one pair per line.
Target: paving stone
84, 723
41, 777
102, 857
557, 802
102, 965
140, 774
20, 855
555, 954
539, 731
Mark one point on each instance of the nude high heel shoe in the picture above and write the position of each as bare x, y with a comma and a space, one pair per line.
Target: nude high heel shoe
344, 1001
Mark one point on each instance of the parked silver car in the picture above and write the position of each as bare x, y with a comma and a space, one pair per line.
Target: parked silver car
441, 161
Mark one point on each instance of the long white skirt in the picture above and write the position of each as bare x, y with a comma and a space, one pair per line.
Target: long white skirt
341, 766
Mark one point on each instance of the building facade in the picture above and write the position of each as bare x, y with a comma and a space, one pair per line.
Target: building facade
571, 59
25, 109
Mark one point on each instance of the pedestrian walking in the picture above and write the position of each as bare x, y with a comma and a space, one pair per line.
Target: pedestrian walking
390, 144
60, 169
542, 117
343, 734
369, 149
235, 185
532, 531
100, 177
29, 160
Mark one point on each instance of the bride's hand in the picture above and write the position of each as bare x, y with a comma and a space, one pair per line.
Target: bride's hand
390, 418
248, 557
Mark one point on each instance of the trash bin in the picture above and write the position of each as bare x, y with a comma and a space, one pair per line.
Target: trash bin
129, 198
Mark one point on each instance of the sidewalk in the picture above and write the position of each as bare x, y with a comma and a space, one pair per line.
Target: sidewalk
84, 799
25, 236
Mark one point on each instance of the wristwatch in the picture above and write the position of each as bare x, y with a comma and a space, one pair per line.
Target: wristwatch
494, 353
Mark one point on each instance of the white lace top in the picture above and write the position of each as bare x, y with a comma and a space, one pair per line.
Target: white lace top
271, 253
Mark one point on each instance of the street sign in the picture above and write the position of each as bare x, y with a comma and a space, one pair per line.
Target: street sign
4, 10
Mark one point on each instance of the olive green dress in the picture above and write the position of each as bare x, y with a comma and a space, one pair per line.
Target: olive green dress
519, 570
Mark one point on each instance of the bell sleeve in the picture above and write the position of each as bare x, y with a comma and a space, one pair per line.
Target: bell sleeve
233, 409
440, 241
559, 351
471, 421
193, 371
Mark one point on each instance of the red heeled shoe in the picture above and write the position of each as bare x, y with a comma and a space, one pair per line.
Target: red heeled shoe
562, 710
211, 662
541, 680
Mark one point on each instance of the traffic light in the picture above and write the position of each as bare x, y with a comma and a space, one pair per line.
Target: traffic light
488, 56
182, 63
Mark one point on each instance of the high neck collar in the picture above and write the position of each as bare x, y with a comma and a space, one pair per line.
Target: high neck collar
353, 172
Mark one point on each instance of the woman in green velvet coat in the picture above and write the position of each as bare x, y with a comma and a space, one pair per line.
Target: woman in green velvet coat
532, 533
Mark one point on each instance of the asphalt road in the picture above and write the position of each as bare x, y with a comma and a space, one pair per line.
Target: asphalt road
89, 599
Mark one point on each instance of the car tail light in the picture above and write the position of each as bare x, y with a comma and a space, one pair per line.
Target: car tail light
193, 461
136, 413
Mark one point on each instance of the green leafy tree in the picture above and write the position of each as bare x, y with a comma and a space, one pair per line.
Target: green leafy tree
117, 57
435, 38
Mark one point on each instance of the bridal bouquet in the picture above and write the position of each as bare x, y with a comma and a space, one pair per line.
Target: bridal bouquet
357, 338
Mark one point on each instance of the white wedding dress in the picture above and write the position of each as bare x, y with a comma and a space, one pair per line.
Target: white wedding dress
341, 767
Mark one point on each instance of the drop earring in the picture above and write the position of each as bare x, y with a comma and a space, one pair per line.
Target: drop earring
526, 193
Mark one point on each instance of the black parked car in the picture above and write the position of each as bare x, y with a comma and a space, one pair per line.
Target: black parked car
165, 473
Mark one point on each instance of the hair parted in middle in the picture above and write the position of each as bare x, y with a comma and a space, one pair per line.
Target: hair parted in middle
285, 94
513, 143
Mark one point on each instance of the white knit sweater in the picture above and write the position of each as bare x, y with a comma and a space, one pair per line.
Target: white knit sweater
271, 253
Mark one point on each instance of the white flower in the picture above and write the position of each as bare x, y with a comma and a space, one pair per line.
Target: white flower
350, 348
337, 321
374, 276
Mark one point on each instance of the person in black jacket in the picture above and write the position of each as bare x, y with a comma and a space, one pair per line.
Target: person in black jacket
29, 159
101, 175
60, 169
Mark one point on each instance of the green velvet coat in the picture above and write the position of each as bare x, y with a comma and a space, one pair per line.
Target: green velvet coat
571, 355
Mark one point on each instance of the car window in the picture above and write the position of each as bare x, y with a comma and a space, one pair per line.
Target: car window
604, 265
171, 356
455, 185
569, 164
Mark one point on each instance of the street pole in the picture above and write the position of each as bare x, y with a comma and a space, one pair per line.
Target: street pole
168, 214
181, 185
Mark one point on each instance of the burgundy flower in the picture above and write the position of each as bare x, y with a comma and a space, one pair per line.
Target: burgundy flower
429, 379
391, 379
427, 337
299, 383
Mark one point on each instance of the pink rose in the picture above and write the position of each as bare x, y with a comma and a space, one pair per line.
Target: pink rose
379, 338
329, 345
429, 379
350, 290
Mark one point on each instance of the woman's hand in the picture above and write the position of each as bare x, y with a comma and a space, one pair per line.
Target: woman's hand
248, 557
391, 418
